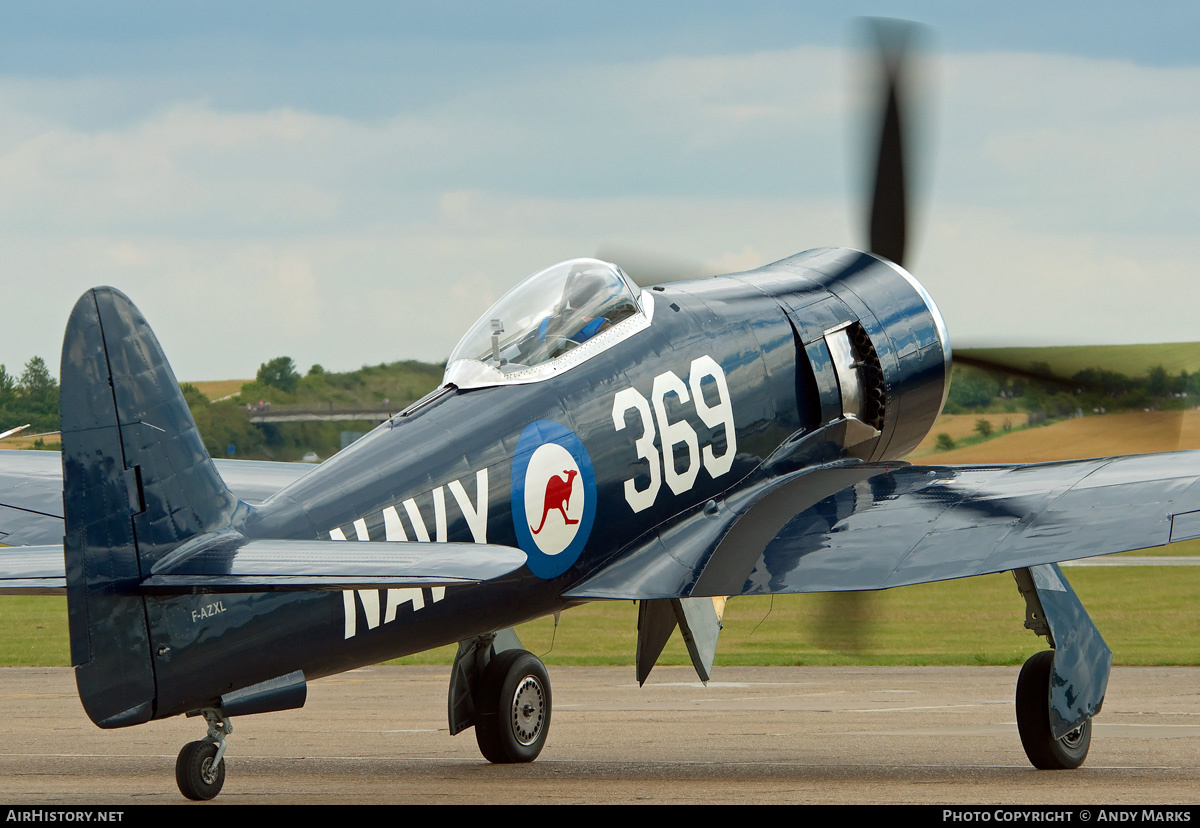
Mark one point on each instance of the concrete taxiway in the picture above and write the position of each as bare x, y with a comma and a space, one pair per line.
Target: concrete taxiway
753, 735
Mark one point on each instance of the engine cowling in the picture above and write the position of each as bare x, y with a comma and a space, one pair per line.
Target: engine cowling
874, 340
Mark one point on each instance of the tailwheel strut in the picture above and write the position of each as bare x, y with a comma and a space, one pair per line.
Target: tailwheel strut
200, 767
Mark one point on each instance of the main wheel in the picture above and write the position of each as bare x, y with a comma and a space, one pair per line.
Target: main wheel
198, 778
513, 708
1033, 720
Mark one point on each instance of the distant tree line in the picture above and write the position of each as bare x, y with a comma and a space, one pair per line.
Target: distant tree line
1092, 390
384, 387
225, 425
226, 429
31, 398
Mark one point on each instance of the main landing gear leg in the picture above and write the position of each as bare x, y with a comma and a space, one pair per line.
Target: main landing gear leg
1059, 690
504, 692
200, 768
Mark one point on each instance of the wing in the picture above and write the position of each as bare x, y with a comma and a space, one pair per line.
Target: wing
861, 526
30, 498
31, 510
32, 570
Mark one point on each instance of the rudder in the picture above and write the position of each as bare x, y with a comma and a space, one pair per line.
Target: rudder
137, 481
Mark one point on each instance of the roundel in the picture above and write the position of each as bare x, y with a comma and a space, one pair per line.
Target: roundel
553, 497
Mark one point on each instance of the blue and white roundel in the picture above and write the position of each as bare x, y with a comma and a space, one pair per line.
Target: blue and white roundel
553, 497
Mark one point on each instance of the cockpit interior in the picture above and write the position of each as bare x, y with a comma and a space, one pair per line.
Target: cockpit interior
578, 306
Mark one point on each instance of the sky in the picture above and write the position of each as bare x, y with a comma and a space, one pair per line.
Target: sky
356, 183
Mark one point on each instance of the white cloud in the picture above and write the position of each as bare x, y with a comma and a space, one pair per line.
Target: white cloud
1072, 142
1061, 200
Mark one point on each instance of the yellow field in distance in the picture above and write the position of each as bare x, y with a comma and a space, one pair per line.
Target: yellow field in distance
1135, 432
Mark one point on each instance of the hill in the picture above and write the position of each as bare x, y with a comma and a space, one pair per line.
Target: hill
227, 431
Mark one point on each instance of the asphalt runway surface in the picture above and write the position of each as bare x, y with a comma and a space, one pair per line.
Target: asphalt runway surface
943, 735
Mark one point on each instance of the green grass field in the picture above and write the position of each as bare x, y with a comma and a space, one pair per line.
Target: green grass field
1148, 615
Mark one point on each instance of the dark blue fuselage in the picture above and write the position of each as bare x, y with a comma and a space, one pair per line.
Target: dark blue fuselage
652, 415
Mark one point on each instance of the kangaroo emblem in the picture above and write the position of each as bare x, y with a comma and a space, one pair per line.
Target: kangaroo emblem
558, 496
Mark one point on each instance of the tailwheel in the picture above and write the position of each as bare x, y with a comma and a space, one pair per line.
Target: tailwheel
200, 768
1033, 720
198, 772
513, 708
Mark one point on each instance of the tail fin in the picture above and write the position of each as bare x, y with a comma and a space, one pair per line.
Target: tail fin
137, 481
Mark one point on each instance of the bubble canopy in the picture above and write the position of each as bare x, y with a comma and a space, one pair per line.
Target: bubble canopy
577, 307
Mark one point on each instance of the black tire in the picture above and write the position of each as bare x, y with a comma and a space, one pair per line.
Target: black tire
194, 772
1033, 720
512, 708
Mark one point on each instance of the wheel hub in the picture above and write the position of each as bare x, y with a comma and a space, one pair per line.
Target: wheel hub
528, 710
208, 771
1073, 738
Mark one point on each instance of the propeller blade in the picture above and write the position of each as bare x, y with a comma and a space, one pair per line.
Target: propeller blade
1025, 370
888, 219
1090, 384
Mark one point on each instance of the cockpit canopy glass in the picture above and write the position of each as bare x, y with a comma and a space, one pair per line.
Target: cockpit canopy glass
548, 315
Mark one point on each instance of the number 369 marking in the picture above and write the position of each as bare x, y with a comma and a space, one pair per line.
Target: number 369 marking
679, 432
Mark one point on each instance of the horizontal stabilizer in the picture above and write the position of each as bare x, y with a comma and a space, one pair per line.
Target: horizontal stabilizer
228, 562
233, 564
